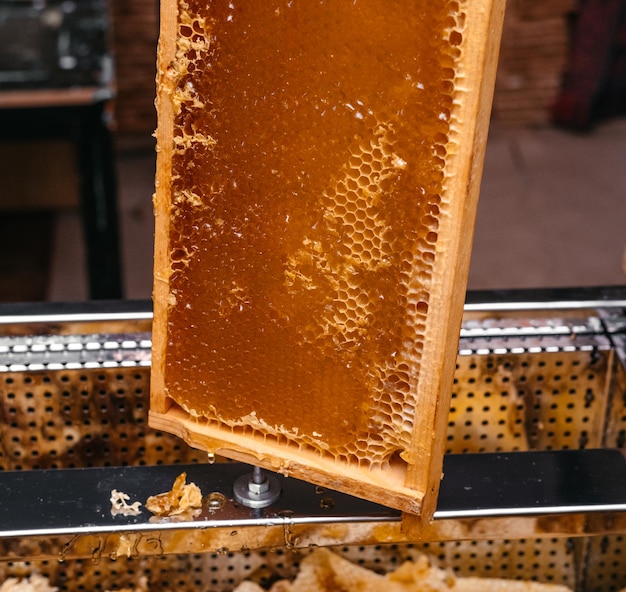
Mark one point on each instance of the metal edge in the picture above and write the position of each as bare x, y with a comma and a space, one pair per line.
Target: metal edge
75, 312
487, 485
508, 300
545, 299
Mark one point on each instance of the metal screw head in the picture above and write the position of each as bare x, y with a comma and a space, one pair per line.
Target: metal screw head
257, 490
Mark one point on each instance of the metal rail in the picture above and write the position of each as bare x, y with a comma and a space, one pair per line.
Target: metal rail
67, 512
606, 297
77, 501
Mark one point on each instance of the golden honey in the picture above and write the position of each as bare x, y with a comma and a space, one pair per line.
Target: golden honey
307, 189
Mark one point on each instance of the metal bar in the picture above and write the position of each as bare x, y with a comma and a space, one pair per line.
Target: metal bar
546, 299
75, 312
131, 349
87, 351
533, 483
477, 301
77, 501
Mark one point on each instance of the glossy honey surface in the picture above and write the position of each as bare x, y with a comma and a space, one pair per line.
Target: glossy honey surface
308, 184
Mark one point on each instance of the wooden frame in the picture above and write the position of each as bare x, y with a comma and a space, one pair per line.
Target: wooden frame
408, 482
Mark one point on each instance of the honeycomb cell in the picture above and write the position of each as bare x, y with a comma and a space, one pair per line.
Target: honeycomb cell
306, 200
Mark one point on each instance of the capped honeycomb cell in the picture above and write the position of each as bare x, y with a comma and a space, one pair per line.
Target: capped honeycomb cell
316, 187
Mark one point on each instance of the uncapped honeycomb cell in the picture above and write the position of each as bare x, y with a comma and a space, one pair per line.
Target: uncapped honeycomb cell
308, 178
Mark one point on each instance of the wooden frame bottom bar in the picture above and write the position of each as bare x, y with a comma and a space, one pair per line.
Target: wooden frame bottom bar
384, 486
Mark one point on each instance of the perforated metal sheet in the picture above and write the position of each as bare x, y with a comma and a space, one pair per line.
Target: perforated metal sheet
512, 392
548, 400
546, 560
82, 418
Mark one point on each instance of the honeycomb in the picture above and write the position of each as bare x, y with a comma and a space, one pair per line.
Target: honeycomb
308, 182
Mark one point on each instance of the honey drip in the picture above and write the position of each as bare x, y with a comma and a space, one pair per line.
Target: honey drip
307, 188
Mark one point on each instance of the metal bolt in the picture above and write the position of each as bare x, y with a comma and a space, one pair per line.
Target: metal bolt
257, 475
257, 490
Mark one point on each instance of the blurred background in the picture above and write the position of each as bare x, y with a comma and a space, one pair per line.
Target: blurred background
77, 152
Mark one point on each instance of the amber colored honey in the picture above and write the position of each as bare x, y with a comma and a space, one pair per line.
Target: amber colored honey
307, 189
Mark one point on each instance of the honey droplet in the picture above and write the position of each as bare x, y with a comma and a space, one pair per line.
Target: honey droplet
327, 503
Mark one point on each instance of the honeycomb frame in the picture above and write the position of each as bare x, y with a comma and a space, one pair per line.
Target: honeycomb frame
398, 457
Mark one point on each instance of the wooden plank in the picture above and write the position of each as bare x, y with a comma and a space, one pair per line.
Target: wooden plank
474, 112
